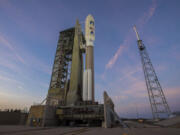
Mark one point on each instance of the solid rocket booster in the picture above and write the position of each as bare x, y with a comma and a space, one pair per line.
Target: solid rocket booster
88, 75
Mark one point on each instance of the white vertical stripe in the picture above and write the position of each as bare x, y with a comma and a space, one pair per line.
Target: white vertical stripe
89, 84
85, 88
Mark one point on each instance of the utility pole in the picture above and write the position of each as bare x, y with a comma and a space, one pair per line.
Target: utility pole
137, 113
159, 105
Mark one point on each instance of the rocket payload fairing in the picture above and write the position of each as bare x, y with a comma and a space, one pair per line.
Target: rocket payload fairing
88, 75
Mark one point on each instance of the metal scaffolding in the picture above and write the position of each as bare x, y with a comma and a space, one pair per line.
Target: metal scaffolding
157, 98
63, 59
61, 68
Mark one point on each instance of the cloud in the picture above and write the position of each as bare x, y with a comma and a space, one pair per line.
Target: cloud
174, 51
126, 89
38, 64
10, 80
9, 64
128, 73
5, 42
131, 109
19, 17
128, 39
172, 92
135, 90
136, 93
147, 15
135, 86
129, 81
17, 79
116, 55
14, 90
35, 23
14, 100
172, 97
27, 59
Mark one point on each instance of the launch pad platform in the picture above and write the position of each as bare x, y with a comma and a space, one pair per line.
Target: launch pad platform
83, 114
70, 99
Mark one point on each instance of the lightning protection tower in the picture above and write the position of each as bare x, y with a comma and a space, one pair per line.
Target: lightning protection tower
159, 105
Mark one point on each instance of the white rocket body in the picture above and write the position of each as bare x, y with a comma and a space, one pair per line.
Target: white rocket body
88, 75
85, 84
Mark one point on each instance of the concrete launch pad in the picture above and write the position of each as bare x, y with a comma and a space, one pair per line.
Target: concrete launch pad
26, 130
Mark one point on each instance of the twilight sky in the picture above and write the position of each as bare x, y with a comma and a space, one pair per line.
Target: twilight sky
29, 32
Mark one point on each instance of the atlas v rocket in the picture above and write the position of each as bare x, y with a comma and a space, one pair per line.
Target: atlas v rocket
88, 75
70, 83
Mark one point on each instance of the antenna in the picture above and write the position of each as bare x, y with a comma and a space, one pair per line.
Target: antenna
137, 35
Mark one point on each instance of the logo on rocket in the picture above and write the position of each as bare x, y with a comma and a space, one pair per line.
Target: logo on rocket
89, 30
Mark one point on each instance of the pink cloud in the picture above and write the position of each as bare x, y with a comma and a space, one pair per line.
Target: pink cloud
5, 42
18, 16
128, 73
142, 108
128, 39
172, 92
38, 64
153, 40
172, 96
32, 60
27, 21
147, 15
138, 90
10, 65
175, 51
113, 60
136, 86
176, 55
14, 101
8, 79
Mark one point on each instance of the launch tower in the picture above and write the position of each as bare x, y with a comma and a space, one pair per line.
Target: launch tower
159, 105
70, 98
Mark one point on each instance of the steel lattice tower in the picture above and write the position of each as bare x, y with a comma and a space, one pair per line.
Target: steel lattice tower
159, 105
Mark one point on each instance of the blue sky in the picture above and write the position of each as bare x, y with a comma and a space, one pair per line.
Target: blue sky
29, 32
